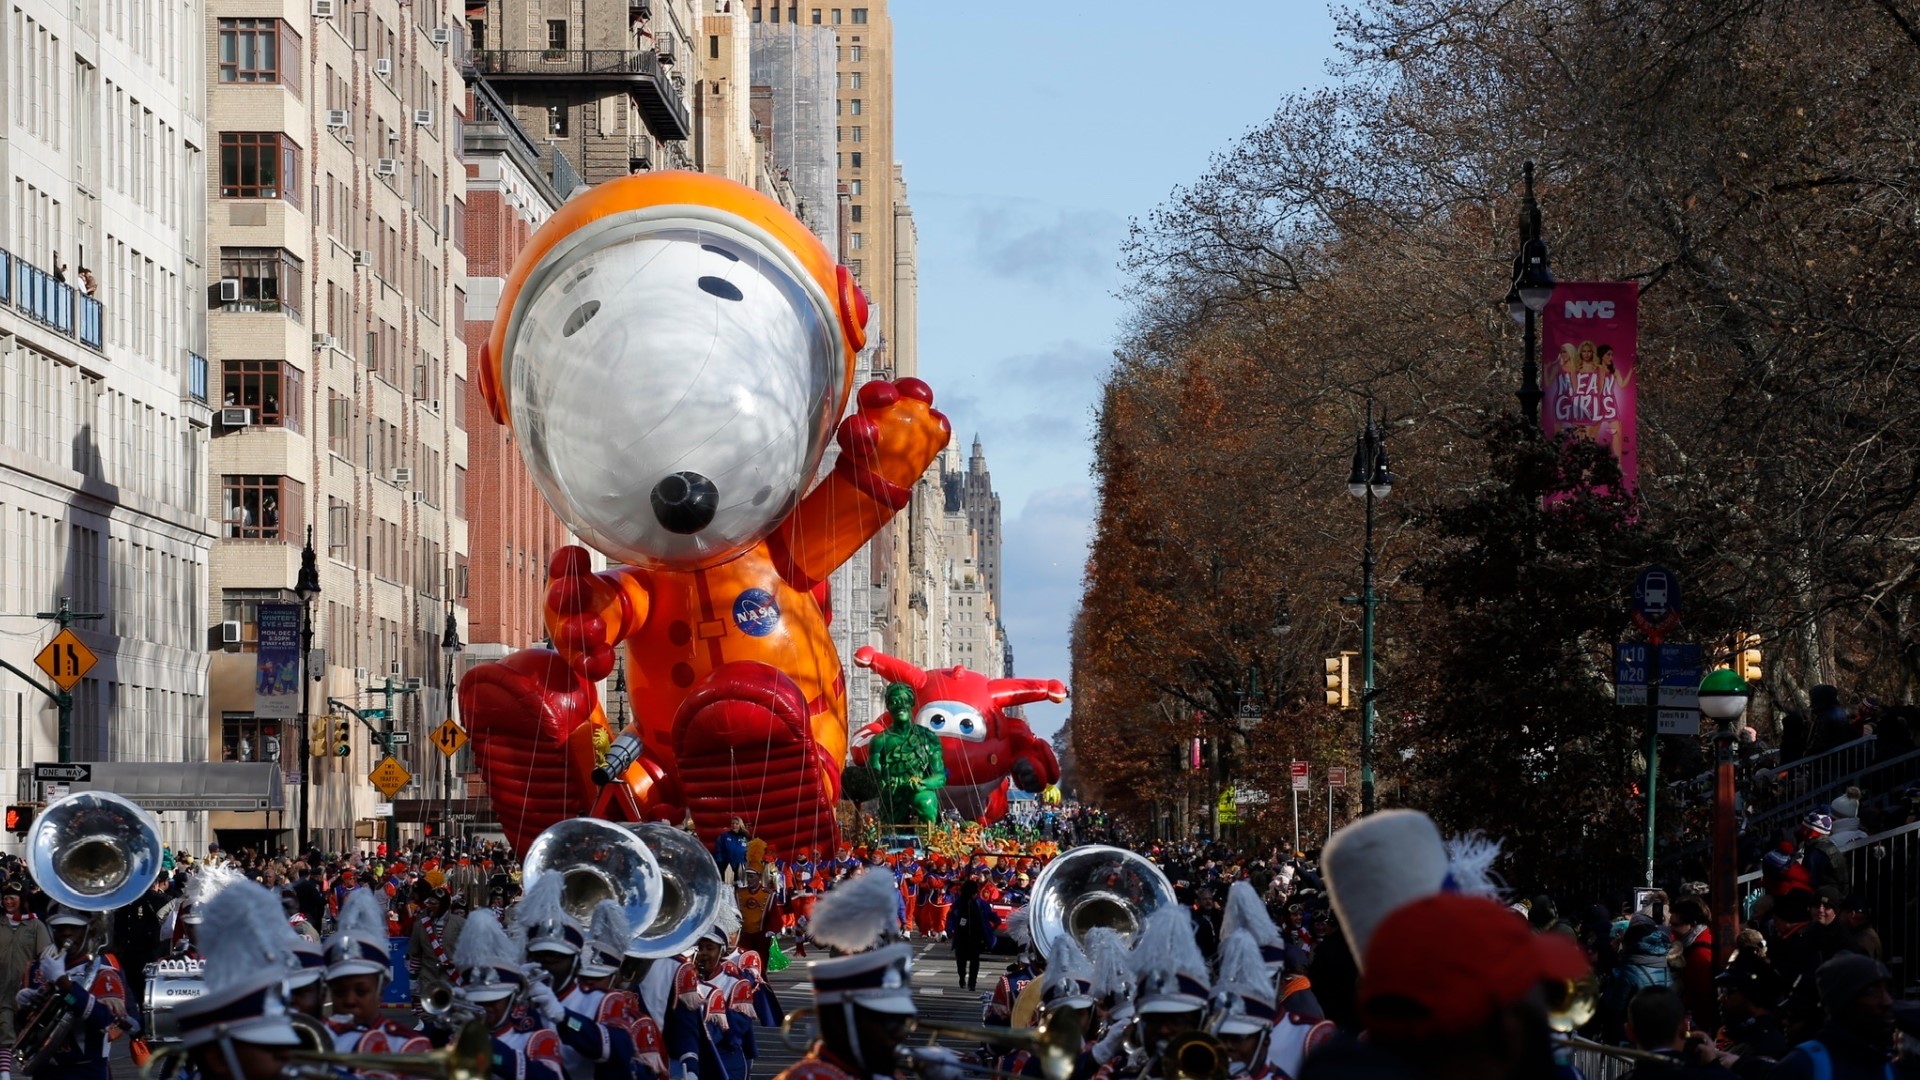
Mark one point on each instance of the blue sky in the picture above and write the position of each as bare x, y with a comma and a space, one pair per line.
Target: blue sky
1031, 133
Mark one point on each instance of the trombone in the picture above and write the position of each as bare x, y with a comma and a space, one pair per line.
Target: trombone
468, 1057
1056, 1042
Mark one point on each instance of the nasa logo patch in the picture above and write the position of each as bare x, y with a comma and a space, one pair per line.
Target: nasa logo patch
756, 613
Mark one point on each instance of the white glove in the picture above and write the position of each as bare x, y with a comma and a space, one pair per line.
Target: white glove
53, 966
546, 1001
1109, 1047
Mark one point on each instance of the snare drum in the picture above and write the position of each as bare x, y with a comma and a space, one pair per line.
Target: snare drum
170, 984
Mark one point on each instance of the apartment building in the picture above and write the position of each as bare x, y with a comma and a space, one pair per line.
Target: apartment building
335, 321
103, 389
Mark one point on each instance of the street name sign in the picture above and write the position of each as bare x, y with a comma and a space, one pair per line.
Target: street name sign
66, 660
1680, 674
1679, 722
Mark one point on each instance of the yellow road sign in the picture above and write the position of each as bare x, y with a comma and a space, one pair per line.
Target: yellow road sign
66, 660
389, 777
449, 737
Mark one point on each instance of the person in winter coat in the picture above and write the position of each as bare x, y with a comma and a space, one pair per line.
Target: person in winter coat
1847, 833
1642, 963
1692, 927
730, 851
1854, 991
972, 927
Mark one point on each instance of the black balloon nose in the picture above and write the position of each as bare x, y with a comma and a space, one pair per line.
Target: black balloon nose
685, 502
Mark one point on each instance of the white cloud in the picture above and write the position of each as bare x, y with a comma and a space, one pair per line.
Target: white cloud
1044, 558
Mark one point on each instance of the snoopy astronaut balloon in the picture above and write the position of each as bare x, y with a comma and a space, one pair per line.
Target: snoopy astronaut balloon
674, 353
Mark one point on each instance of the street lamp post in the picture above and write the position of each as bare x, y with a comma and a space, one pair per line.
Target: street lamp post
1723, 697
1527, 296
307, 588
1370, 480
450, 645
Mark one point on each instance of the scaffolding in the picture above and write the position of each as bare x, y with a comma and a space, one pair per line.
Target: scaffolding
797, 67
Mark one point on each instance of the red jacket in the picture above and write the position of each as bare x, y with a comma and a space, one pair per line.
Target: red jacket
1696, 981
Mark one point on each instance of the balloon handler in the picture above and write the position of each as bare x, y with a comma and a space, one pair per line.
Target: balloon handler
907, 760
674, 353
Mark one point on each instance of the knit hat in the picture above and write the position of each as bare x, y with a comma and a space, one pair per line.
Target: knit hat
1167, 967
1848, 805
359, 946
856, 918
489, 960
1846, 977
248, 964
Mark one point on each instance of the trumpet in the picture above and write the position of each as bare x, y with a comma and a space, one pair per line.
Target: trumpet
1056, 1042
1194, 1055
441, 1001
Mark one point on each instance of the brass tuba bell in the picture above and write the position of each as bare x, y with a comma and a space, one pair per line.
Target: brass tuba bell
689, 891
1095, 885
597, 860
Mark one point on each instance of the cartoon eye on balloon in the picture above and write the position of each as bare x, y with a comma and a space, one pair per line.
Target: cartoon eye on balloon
952, 720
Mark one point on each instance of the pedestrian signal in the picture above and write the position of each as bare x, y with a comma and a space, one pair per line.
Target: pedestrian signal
1340, 680
19, 819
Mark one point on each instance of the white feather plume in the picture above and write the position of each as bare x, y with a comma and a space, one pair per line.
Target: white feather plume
1166, 944
1107, 953
1470, 861
858, 913
485, 943
361, 916
251, 948
1244, 911
1019, 926
540, 906
610, 928
1242, 971
208, 882
727, 918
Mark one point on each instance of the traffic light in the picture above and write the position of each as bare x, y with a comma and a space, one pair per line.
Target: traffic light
19, 819
342, 738
1340, 680
1749, 665
317, 741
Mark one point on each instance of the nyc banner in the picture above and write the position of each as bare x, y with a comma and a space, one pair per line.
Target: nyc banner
1588, 345
276, 689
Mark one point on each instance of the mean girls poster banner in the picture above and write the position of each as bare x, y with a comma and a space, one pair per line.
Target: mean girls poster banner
1587, 351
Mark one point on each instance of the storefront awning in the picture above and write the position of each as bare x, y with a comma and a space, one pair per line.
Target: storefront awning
196, 785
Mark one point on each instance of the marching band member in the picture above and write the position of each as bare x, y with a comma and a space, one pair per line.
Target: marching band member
596, 1039
1299, 1026
307, 987
358, 967
1113, 992
1024, 970
864, 995
239, 1027
93, 988
706, 1035
1170, 988
1066, 988
22, 939
290, 904
1244, 1031
430, 948
493, 977
181, 917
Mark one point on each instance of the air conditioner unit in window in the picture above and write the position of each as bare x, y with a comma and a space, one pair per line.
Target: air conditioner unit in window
402, 476
393, 668
338, 118
325, 341
359, 675
323, 9
229, 290
363, 258
383, 67
433, 406
414, 682
441, 35
229, 633
387, 167
665, 48
236, 417
423, 117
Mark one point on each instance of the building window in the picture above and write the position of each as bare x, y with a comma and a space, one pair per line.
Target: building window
856, 133
477, 29
254, 163
816, 16
251, 50
756, 12
856, 54
460, 491
556, 35
859, 16
840, 134
836, 16
713, 46
857, 241
270, 279
853, 106
854, 79
263, 507
776, 14
856, 188
858, 210
340, 424
244, 738
856, 164
270, 389
556, 120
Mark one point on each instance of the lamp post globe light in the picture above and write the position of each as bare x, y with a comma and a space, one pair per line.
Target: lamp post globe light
450, 646
1372, 480
1723, 698
1527, 295
307, 589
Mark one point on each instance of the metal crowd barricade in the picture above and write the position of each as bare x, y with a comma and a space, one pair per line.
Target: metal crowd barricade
1871, 777
1595, 1065
1884, 870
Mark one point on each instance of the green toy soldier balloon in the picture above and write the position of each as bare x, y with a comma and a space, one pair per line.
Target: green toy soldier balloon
907, 760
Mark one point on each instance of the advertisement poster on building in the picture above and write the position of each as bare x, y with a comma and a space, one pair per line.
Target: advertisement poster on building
1588, 347
276, 688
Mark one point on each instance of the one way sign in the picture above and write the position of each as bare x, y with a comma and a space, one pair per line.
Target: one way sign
81, 773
